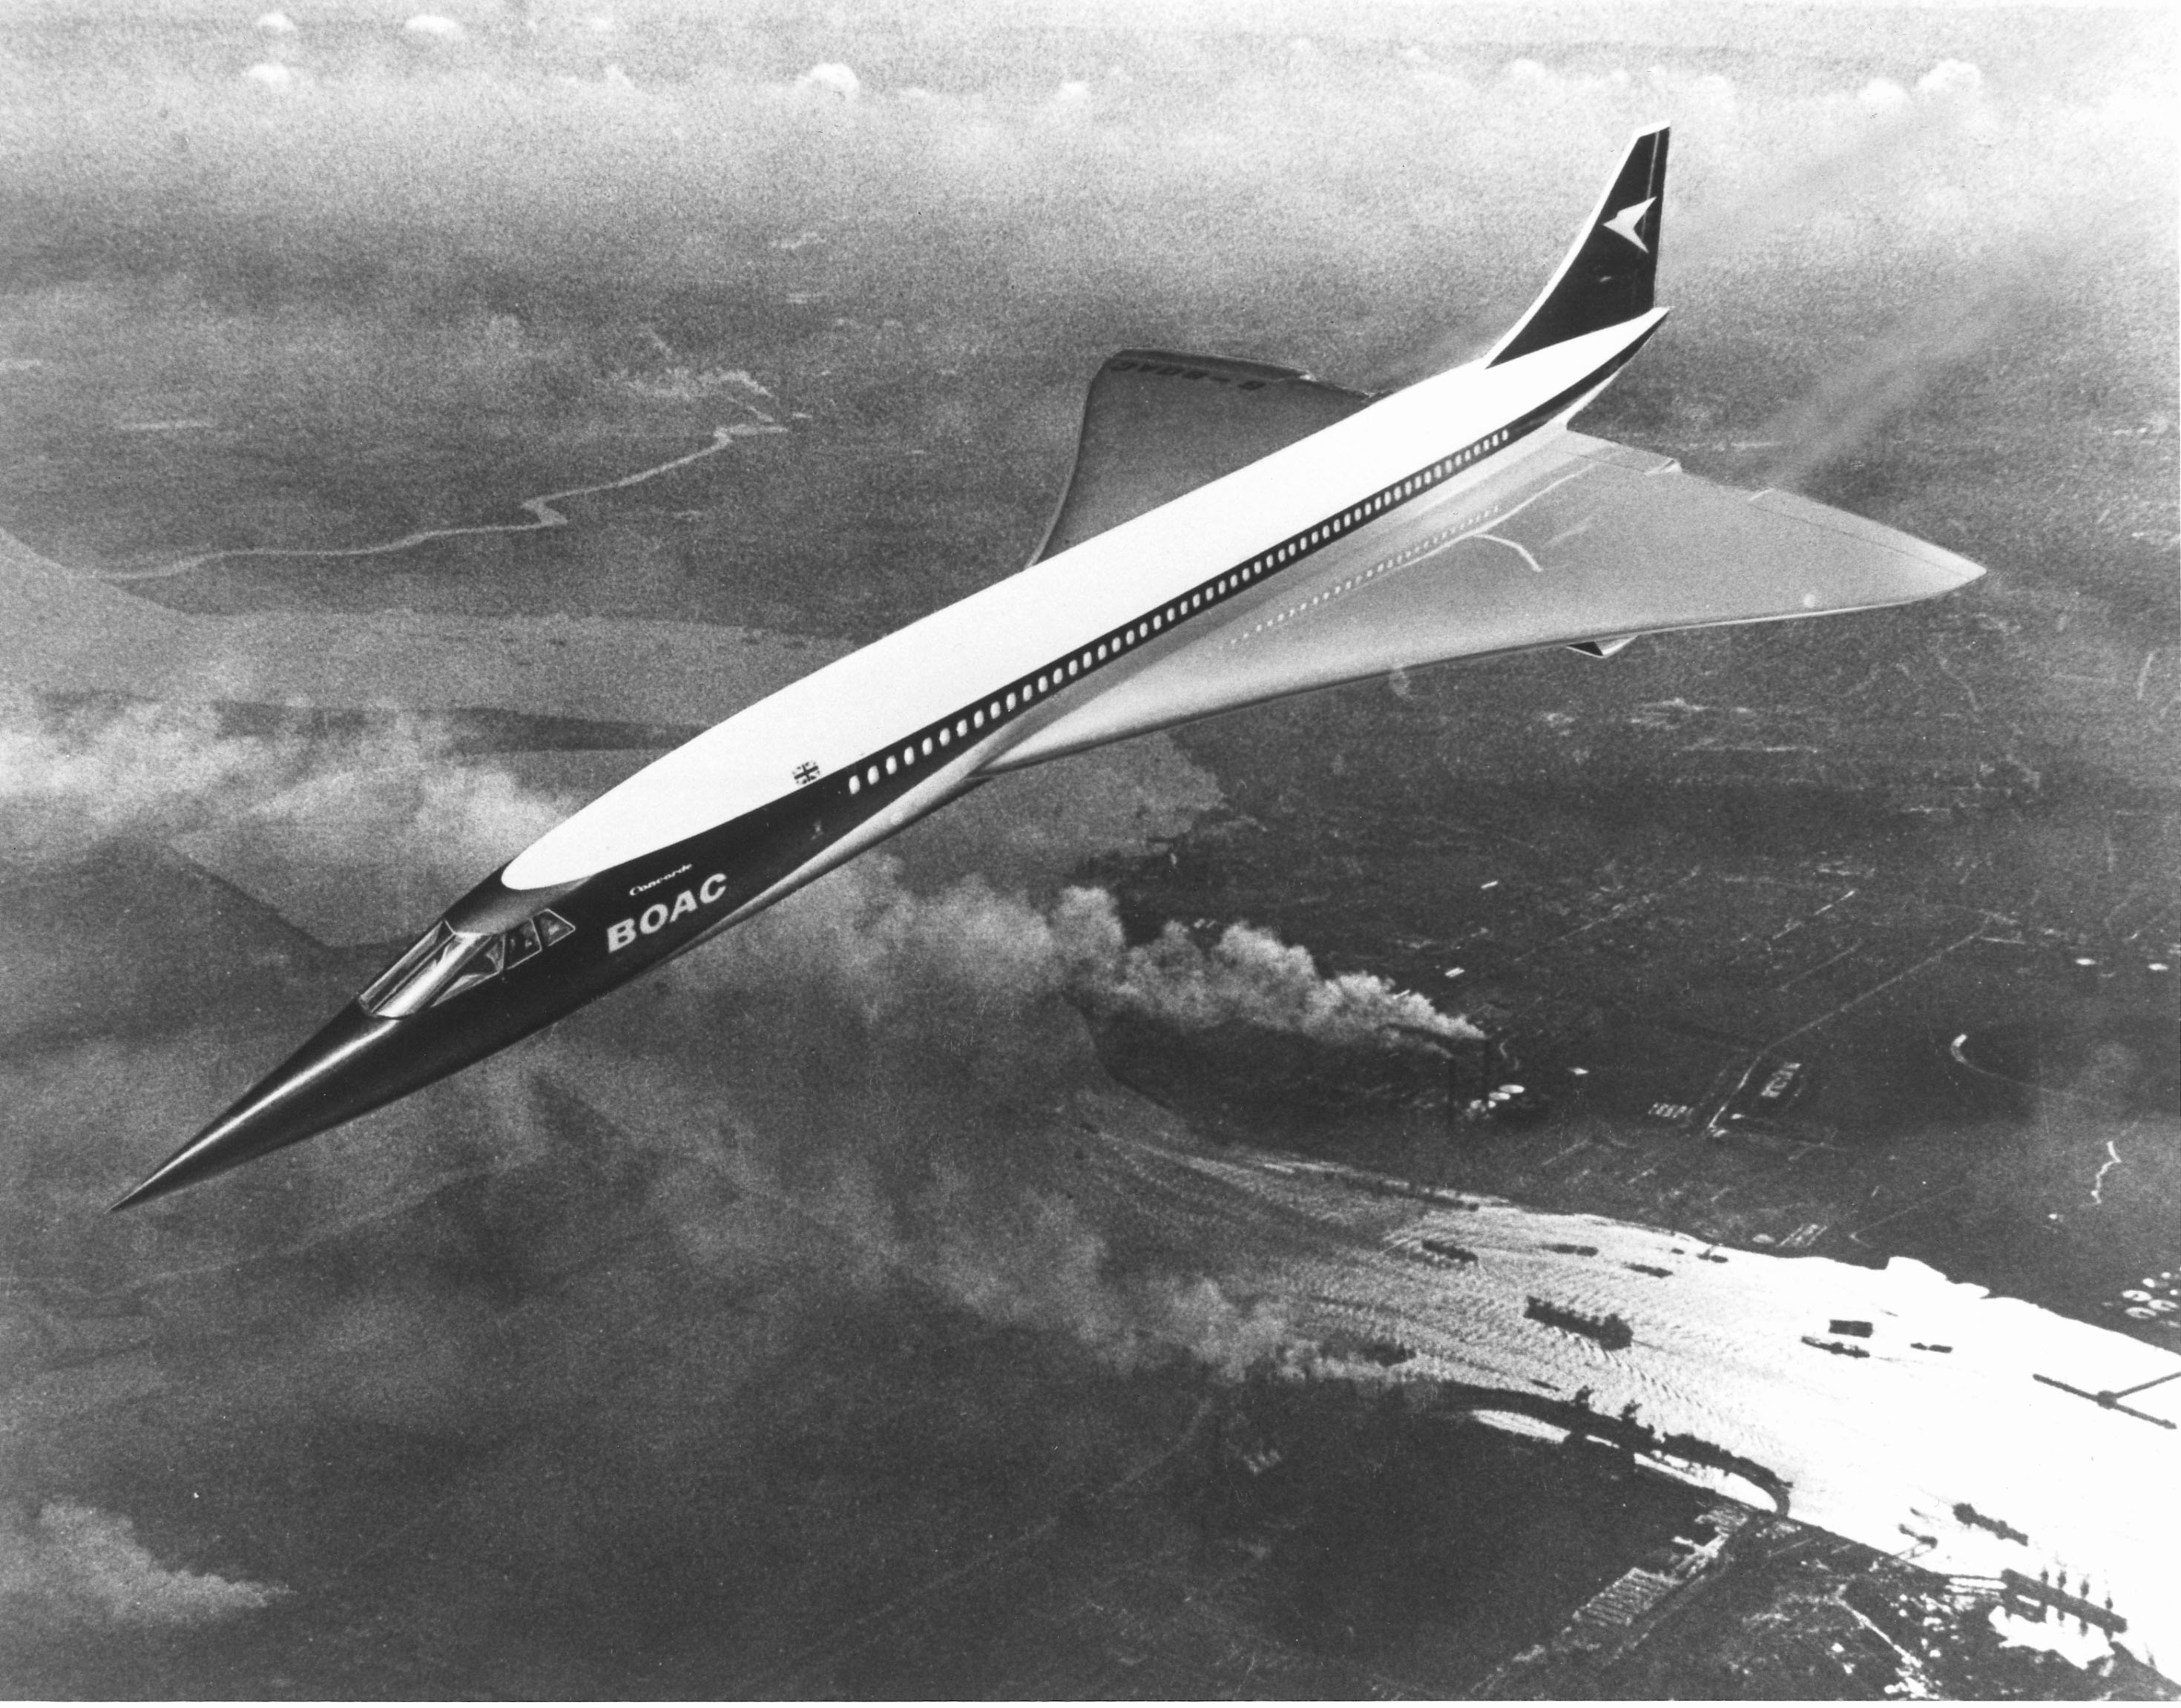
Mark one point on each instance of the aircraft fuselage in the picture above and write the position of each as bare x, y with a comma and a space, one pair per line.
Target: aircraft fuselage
1185, 590
925, 716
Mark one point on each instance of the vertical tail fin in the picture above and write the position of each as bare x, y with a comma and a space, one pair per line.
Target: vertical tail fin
1609, 274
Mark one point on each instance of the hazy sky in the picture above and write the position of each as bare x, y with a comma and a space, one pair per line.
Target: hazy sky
1029, 170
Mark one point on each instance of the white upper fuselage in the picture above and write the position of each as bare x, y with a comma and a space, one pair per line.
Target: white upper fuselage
856, 707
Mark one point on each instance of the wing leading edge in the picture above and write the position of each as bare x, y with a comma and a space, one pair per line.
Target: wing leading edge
1156, 425
1586, 544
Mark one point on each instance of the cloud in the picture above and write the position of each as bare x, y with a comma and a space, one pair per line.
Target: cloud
831, 79
68, 781
948, 1020
74, 1564
400, 249
1883, 94
1194, 182
1057, 1275
1951, 77
868, 1086
392, 793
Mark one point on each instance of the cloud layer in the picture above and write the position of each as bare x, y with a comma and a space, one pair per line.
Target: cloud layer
74, 1564
395, 791
947, 1021
504, 231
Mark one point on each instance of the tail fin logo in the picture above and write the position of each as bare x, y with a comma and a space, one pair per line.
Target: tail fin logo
1600, 284
1624, 223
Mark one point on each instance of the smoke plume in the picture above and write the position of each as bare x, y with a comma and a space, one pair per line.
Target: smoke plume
884, 946
1247, 977
905, 1078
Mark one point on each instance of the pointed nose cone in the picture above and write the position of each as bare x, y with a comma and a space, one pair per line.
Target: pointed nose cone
337, 1076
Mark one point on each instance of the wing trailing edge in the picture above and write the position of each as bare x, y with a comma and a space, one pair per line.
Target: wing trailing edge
1583, 545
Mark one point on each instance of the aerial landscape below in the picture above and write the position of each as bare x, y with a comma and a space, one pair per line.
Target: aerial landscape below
1647, 1176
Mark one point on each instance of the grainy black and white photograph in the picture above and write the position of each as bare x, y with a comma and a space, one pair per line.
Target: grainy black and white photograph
1019, 849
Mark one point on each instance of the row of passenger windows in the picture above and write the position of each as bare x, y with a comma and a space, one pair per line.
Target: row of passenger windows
1399, 560
969, 722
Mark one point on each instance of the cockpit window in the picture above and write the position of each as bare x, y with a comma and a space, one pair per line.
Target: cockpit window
427, 973
481, 963
444, 962
522, 943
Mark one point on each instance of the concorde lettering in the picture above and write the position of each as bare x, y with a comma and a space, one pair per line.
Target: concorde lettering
1232, 533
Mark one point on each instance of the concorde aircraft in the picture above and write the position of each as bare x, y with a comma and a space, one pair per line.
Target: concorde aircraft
1232, 533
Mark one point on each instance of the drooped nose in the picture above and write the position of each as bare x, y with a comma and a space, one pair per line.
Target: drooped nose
338, 1075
